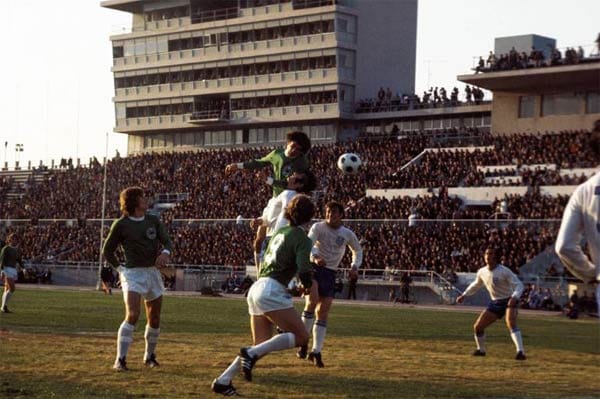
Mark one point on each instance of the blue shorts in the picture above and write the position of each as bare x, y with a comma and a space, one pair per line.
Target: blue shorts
498, 307
326, 279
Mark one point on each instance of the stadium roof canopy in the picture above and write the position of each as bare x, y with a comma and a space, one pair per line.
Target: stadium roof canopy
532, 79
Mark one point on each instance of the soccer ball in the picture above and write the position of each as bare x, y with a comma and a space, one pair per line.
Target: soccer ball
349, 163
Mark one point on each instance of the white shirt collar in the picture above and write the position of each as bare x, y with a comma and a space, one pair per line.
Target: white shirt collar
137, 219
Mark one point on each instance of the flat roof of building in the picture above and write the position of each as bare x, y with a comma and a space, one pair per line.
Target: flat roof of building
123, 5
533, 79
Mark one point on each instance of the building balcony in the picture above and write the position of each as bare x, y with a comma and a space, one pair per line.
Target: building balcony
227, 52
209, 116
129, 125
247, 116
289, 113
227, 85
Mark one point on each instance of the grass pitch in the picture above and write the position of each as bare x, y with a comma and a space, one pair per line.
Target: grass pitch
61, 344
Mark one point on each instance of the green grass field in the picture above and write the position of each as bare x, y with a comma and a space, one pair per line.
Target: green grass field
61, 344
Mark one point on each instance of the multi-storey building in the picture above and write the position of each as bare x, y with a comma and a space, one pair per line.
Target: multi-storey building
202, 73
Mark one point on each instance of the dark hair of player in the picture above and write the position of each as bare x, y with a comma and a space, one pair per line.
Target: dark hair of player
309, 182
299, 138
494, 251
300, 210
335, 205
129, 198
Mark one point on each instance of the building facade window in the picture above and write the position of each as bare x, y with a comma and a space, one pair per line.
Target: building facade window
562, 104
592, 103
526, 106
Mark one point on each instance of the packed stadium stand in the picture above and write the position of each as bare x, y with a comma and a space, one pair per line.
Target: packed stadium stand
199, 190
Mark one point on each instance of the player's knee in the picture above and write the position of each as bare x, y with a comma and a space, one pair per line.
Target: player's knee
477, 329
311, 305
132, 317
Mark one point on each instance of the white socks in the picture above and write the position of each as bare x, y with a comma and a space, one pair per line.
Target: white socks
230, 372
319, 331
308, 318
517, 339
124, 339
5, 297
278, 342
151, 336
480, 341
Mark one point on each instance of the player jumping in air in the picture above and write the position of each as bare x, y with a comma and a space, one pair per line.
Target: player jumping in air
505, 289
141, 236
284, 161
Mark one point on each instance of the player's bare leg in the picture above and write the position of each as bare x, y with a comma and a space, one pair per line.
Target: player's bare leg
483, 321
261, 234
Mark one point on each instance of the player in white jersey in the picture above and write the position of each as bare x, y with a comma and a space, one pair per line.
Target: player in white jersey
273, 216
505, 289
330, 239
581, 219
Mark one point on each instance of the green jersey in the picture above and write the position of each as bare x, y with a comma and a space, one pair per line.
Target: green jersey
288, 254
9, 257
283, 167
140, 240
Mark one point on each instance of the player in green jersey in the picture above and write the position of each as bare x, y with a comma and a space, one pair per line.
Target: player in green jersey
269, 302
9, 258
285, 161
141, 236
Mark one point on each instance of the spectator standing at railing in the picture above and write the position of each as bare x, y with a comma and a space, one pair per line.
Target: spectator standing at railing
468, 93
405, 282
580, 220
480, 65
491, 61
598, 44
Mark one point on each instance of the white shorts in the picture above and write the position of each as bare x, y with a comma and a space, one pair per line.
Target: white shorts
267, 295
146, 281
10, 272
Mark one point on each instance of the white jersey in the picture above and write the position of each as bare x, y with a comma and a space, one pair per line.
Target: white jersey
330, 244
582, 219
501, 283
273, 214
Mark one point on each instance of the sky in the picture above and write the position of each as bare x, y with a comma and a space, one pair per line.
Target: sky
56, 97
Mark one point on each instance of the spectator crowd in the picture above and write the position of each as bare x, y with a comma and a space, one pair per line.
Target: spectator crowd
424, 243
